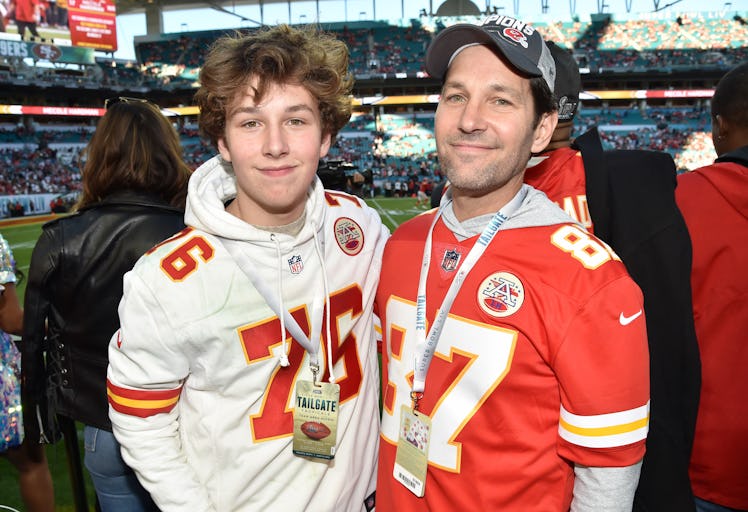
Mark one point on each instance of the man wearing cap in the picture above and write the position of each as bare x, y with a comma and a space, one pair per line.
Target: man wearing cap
515, 364
632, 207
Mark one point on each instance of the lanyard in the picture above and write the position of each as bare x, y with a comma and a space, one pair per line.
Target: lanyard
235, 249
426, 343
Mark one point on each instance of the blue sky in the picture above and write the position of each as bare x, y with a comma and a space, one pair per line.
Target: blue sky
132, 25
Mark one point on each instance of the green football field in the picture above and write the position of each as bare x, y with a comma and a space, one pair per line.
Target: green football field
22, 239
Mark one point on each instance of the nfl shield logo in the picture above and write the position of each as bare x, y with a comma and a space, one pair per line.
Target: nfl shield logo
450, 260
295, 264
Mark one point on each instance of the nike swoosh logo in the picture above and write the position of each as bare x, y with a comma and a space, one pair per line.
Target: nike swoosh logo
119, 338
625, 320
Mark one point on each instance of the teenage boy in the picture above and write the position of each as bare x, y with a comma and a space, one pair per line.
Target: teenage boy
244, 376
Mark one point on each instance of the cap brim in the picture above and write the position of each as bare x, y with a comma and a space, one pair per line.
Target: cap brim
451, 39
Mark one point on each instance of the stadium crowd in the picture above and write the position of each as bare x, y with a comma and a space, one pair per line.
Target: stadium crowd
398, 150
389, 49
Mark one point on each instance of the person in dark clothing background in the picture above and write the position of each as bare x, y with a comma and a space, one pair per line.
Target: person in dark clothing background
627, 197
134, 189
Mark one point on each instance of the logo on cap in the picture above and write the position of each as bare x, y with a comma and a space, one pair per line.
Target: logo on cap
516, 36
566, 107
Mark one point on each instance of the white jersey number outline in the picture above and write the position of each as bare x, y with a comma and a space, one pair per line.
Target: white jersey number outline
479, 357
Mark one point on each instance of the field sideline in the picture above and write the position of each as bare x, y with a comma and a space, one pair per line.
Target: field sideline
22, 234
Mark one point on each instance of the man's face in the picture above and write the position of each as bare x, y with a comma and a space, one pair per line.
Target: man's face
484, 124
275, 147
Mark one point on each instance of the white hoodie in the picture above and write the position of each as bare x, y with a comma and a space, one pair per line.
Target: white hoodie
198, 397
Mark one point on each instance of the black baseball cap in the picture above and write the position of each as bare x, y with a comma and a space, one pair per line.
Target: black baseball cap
519, 42
568, 83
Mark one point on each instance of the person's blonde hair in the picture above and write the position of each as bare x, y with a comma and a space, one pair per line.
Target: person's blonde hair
134, 147
277, 55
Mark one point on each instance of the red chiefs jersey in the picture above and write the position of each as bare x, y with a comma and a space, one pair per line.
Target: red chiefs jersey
559, 174
542, 363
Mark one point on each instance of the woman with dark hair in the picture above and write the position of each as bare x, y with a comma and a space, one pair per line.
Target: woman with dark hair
134, 189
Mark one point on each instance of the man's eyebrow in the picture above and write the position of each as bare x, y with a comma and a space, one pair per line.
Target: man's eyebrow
496, 87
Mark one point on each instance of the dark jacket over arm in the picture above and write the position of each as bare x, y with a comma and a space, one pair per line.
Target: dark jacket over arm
632, 205
73, 291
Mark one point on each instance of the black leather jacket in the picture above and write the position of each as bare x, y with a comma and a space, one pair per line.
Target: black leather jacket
70, 308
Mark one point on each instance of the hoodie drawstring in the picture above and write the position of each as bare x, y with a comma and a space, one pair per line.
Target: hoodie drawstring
326, 285
284, 357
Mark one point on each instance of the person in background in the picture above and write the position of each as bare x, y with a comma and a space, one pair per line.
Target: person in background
134, 189
714, 202
244, 376
27, 15
632, 208
29, 458
515, 365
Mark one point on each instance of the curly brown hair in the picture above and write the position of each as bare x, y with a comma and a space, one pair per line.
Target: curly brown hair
276, 55
135, 147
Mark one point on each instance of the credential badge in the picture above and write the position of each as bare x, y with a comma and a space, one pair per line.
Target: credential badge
501, 294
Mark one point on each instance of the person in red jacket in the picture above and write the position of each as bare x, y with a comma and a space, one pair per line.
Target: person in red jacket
714, 202
27, 16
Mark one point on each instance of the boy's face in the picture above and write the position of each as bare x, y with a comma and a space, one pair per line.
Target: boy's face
275, 149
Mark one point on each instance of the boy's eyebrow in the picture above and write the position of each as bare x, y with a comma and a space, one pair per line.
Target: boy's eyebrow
251, 109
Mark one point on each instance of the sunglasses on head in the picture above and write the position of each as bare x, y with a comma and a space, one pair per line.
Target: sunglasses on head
123, 99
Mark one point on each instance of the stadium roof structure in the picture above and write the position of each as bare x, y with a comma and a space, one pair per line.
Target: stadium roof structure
153, 8
455, 7
129, 6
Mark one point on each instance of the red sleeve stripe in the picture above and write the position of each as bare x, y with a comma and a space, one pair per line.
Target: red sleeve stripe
142, 403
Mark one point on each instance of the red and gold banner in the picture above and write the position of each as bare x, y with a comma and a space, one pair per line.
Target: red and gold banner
93, 24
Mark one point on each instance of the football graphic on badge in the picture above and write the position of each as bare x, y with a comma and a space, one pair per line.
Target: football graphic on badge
315, 430
501, 294
349, 236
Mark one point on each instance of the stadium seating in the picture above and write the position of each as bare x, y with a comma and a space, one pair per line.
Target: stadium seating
397, 147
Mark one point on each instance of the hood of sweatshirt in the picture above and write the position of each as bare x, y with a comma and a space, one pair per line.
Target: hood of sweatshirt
729, 175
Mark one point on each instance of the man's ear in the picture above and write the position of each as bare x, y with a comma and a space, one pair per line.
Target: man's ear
544, 131
223, 149
723, 127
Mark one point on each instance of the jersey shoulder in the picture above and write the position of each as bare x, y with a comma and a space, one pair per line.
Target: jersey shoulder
567, 256
178, 256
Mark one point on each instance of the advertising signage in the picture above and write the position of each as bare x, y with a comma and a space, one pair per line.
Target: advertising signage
93, 24
46, 52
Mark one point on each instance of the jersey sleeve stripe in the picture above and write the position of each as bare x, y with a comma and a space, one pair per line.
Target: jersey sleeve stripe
605, 430
142, 403
605, 420
610, 441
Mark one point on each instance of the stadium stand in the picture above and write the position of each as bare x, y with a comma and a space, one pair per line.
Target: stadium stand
394, 142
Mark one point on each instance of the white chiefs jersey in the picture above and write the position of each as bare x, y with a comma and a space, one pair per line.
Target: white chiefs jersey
198, 399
